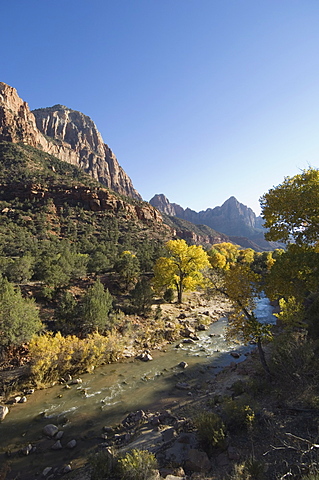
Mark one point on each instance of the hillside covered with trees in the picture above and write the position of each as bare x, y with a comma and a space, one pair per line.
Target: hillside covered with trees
85, 273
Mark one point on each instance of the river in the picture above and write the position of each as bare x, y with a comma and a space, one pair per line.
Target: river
106, 396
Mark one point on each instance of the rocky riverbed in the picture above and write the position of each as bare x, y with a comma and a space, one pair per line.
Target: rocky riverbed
59, 439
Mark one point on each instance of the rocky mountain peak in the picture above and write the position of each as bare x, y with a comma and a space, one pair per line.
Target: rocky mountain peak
232, 218
17, 124
162, 203
67, 134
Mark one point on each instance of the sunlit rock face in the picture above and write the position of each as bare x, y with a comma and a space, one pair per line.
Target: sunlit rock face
93, 155
232, 218
64, 133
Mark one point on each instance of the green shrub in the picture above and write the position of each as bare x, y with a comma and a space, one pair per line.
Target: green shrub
250, 469
168, 295
211, 430
238, 414
103, 465
238, 388
138, 465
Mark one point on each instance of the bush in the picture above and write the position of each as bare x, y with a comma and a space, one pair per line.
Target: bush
19, 317
103, 465
238, 414
168, 295
211, 430
251, 469
53, 356
138, 465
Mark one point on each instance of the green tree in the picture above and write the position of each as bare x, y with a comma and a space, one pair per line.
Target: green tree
142, 296
128, 268
181, 268
67, 313
19, 317
98, 262
20, 270
96, 306
291, 210
291, 213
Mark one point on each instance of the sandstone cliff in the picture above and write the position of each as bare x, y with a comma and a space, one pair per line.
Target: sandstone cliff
64, 133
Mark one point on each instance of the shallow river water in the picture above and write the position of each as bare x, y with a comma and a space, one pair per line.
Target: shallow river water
106, 396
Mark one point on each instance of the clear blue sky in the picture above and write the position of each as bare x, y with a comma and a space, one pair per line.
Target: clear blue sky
198, 99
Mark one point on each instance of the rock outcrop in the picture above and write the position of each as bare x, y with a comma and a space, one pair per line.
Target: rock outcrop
96, 200
64, 133
93, 155
163, 204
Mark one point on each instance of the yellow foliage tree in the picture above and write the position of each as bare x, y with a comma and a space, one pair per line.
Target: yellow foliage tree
291, 210
229, 251
241, 286
181, 268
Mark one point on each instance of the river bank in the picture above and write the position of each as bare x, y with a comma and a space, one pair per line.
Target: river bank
21, 427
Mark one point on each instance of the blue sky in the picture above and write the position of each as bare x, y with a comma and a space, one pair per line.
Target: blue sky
198, 99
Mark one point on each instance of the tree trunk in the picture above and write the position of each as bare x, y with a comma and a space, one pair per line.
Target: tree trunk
179, 293
263, 358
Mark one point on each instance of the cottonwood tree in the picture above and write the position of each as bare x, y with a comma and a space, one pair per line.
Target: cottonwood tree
241, 286
181, 268
291, 210
291, 213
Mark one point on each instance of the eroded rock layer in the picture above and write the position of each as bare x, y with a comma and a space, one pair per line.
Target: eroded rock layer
64, 133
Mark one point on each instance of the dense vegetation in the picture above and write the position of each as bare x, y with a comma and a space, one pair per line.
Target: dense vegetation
77, 285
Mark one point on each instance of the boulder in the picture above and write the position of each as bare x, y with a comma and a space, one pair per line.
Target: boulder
27, 449
182, 386
46, 471
30, 391
197, 461
168, 434
50, 430
222, 460
235, 354
57, 445
188, 331
76, 381
71, 444
194, 337
133, 418
3, 412
66, 469
202, 327
145, 357
183, 364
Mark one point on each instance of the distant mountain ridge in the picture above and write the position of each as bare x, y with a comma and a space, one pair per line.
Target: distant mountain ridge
232, 218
